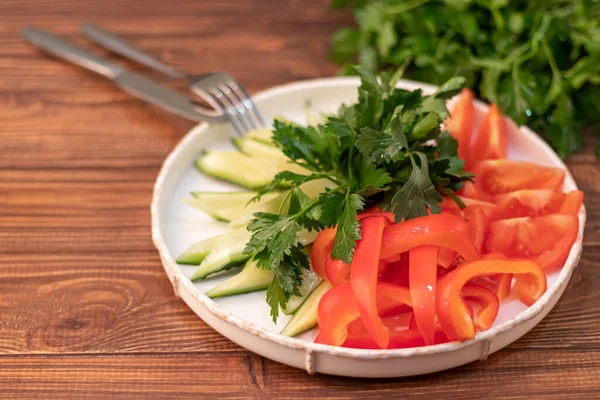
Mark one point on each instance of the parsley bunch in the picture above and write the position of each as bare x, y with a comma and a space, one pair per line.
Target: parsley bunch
539, 60
378, 151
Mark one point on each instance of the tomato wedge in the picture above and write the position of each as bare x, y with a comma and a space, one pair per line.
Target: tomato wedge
462, 121
477, 214
537, 203
339, 307
502, 176
470, 191
547, 240
363, 277
320, 251
435, 230
490, 143
530, 285
422, 277
449, 205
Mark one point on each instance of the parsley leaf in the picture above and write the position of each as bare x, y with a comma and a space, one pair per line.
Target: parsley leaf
417, 195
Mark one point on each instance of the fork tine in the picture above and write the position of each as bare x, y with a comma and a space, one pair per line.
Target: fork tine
235, 101
229, 110
246, 100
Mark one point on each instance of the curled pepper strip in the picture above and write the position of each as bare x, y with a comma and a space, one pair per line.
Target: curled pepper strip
530, 285
432, 230
338, 308
364, 271
488, 302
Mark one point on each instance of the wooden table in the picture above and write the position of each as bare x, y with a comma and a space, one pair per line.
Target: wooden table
85, 308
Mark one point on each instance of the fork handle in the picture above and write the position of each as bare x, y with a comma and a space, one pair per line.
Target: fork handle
62, 49
123, 48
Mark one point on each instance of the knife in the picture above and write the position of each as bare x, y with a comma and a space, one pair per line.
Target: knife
135, 84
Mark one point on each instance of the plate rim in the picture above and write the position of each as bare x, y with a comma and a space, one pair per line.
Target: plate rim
178, 279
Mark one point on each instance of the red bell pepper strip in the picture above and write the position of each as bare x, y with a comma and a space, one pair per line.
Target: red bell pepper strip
337, 271
422, 273
434, 230
399, 339
530, 285
395, 272
488, 302
339, 307
504, 281
364, 271
321, 249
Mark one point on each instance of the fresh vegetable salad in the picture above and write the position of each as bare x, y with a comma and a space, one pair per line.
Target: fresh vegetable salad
393, 223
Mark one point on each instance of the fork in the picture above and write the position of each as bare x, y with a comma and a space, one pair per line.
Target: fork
218, 89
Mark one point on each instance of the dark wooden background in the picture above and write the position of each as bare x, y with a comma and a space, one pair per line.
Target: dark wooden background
85, 308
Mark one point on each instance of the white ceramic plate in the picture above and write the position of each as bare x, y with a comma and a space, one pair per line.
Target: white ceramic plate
245, 318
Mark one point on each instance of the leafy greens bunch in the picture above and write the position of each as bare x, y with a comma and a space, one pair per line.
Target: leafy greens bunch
539, 60
377, 151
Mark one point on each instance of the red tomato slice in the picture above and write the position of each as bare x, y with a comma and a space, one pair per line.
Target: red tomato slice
462, 121
490, 143
477, 214
537, 203
448, 205
503, 176
470, 190
546, 240
572, 203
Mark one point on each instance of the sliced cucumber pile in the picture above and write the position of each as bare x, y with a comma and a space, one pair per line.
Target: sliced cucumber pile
305, 317
244, 170
229, 206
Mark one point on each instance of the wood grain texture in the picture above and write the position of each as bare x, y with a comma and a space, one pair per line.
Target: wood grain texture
85, 308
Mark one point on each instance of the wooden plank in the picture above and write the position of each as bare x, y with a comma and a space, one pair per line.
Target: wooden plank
555, 374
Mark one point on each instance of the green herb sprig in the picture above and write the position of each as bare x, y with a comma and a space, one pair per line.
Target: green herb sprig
379, 150
538, 60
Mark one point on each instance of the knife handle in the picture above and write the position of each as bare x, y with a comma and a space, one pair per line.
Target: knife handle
125, 49
62, 49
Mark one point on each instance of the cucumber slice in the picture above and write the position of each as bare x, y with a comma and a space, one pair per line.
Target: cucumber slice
305, 317
229, 206
225, 251
249, 279
242, 169
263, 135
310, 280
217, 253
258, 149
